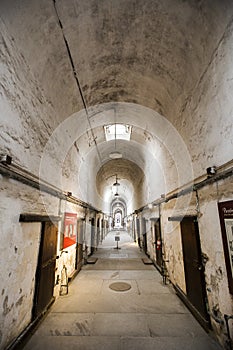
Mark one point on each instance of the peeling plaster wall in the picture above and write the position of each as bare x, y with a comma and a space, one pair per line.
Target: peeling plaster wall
27, 120
205, 207
218, 294
210, 142
219, 299
33, 27
24, 109
17, 276
210, 138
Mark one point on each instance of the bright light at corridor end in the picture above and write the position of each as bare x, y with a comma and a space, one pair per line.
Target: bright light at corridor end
171, 162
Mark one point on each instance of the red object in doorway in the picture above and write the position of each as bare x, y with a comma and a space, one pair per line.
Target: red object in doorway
70, 229
68, 242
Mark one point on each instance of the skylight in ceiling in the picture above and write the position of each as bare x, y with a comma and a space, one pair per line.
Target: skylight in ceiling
118, 132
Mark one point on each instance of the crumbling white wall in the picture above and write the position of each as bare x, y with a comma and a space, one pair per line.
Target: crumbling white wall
219, 298
27, 120
206, 122
20, 242
210, 142
207, 128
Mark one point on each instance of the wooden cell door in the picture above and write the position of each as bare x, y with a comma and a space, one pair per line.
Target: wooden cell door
98, 233
144, 235
194, 268
79, 246
138, 232
92, 235
45, 274
102, 232
158, 243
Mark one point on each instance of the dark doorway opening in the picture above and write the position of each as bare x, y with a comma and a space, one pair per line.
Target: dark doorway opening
158, 243
138, 231
79, 245
144, 235
92, 235
194, 269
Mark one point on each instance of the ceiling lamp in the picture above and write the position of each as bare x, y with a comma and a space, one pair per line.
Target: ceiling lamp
115, 155
116, 184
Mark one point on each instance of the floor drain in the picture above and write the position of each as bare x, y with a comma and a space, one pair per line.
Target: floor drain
120, 286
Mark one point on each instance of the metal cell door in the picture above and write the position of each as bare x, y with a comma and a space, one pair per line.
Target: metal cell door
193, 267
45, 274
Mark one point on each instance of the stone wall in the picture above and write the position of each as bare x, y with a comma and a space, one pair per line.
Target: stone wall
209, 140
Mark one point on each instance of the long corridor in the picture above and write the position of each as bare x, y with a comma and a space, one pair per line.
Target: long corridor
93, 316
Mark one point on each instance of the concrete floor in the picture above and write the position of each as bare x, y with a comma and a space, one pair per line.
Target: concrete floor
92, 316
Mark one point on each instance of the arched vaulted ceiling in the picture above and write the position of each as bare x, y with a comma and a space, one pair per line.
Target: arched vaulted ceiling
139, 58
148, 52
130, 178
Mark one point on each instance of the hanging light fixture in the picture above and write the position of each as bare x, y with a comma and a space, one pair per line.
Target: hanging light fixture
116, 183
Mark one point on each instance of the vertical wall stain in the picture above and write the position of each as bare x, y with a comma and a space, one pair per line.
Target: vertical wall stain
6, 308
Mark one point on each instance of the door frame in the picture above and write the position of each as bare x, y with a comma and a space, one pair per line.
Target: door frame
42, 219
92, 248
35, 311
158, 237
144, 235
138, 232
79, 244
226, 214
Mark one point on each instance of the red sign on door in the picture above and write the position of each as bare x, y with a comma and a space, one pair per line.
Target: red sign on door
70, 229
